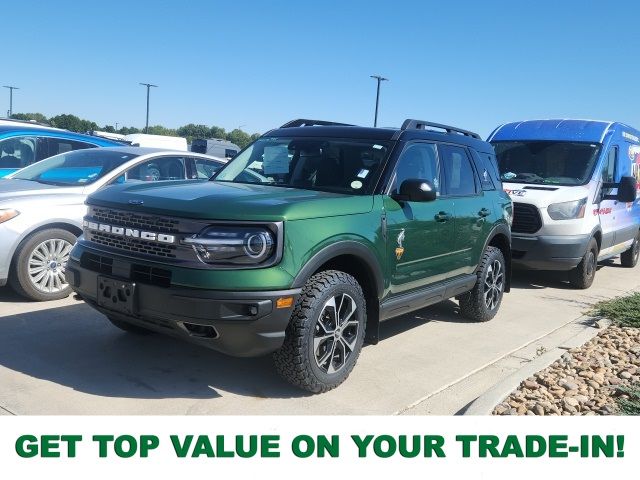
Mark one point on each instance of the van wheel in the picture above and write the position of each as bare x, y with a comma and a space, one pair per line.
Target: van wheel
325, 335
129, 327
39, 263
629, 258
482, 303
582, 276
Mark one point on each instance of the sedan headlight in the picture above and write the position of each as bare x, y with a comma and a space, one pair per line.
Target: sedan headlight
8, 214
567, 210
234, 245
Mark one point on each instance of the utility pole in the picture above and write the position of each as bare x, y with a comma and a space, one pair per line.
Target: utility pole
379, 79
148, 85
11, 89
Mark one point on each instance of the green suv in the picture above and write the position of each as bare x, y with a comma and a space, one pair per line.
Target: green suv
303, 243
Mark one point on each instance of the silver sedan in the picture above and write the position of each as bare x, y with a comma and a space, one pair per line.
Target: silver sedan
42, 205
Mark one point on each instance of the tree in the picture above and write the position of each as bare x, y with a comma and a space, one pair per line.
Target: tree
73, 123
217, 132
109, 129
255, 136
192, 131
160, 130
240, 138
38, 117
128, 130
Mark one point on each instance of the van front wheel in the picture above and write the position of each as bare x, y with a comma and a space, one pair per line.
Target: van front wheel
582, 276
629, 258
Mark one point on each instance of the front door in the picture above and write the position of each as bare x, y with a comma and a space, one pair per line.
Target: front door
608, 210
420, 235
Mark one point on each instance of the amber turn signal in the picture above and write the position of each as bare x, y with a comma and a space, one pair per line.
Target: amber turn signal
284, 302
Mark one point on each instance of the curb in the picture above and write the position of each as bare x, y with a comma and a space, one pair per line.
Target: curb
485, 403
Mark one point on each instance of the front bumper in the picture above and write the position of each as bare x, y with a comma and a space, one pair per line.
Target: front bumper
549, 252
238, 323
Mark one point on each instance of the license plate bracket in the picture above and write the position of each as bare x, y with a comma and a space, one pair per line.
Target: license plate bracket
116, 295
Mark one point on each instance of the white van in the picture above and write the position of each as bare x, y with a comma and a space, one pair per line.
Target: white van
574, 187
157, 141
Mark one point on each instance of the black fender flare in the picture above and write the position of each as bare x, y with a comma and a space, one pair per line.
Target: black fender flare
342, 247
504, 229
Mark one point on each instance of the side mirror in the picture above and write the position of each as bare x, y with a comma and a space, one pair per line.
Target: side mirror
415, 190
627, 190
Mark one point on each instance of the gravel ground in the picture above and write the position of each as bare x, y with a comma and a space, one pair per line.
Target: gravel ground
585, 381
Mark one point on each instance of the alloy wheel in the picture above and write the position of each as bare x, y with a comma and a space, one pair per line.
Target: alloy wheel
47, 263
493, 284
335, 333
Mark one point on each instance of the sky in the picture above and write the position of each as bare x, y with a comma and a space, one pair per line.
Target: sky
259, 64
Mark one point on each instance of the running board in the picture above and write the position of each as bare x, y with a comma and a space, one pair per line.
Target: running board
417, 299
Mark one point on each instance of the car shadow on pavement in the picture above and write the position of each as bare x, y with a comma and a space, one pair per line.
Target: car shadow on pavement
447, 311
538, 279
76, 347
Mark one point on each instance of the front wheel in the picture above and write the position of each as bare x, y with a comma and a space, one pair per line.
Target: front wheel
629, 258
39, 265
582, 276
325, 335
482, 303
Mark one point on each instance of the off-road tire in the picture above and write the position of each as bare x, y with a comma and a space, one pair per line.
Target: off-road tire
473, 305
296, 361
582, 276
129, 327
19, 275
629, 259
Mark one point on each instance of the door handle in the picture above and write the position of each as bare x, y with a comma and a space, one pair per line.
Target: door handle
442, 217
484, 212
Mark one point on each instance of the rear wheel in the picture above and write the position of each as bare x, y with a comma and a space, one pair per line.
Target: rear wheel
582, 276
326, 332
39, 264
482, 303
629, 258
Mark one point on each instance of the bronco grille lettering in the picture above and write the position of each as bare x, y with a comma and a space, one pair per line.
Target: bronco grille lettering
129, 232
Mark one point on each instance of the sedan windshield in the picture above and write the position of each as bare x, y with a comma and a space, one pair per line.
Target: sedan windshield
80, 167
548, 162
334, 165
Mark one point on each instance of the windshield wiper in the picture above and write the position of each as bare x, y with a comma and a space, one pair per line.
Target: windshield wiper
49, 182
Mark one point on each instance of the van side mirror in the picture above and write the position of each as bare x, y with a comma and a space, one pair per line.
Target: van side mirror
415, 190
627, 190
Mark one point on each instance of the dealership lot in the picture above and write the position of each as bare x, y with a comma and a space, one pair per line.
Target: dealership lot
64, 358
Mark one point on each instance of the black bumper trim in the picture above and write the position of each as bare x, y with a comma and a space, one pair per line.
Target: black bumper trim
549, 252
247, 322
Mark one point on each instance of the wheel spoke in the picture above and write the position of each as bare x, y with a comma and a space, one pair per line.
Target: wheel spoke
336, 333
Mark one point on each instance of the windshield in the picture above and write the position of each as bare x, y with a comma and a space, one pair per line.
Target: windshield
334, 165
549, 162
80, 167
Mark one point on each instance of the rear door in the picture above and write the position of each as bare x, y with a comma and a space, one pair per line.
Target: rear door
419, 234
472, 208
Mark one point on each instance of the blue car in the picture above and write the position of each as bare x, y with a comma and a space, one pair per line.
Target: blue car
23, 143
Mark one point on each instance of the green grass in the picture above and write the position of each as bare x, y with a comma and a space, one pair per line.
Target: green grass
630, 406
622, 311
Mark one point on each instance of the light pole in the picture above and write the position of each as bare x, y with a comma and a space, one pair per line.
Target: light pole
379, 79
11, 89
148, 85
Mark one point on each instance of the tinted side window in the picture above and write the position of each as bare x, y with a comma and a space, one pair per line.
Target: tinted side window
63, 145
418, 160
157, 169
487, 166
204, 169
609, 170
460, 179
17, 152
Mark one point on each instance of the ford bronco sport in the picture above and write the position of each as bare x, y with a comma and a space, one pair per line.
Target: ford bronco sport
303, 243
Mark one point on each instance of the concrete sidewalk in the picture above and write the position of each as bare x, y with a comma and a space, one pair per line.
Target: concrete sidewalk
64, 358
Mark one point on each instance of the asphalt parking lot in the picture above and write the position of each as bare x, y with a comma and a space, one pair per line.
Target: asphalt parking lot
64, 358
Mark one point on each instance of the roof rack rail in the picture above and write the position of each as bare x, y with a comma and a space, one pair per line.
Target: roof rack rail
305, 122
410, 123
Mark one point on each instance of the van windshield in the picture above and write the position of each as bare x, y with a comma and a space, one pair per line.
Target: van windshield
548, 162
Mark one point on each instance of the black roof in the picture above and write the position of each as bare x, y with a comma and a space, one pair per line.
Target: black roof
410, 130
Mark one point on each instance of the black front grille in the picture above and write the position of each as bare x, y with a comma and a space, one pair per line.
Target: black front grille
526, 218
151, 275
138, 273
133, 244
134, 220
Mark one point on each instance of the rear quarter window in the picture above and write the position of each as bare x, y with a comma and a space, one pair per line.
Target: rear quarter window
487, 166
